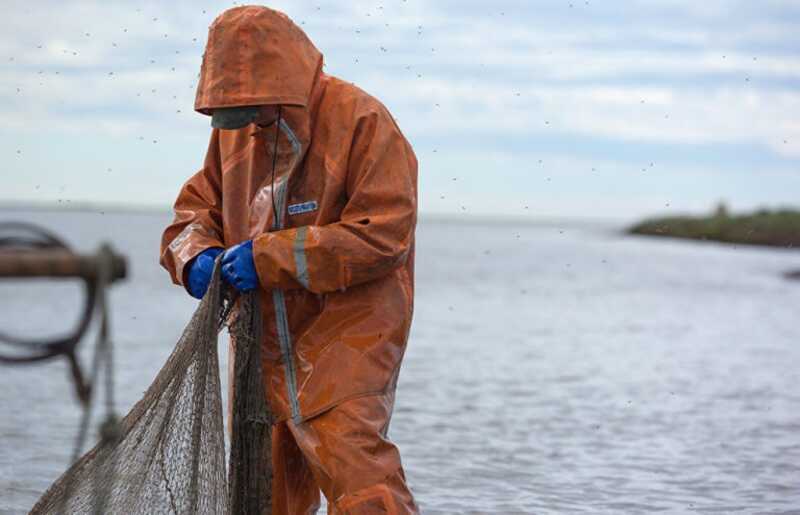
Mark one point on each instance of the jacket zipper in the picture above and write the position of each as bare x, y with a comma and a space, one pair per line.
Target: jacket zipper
278, 297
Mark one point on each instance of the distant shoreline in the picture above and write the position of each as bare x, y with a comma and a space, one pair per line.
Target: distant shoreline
548, 221
777, 228
83, 207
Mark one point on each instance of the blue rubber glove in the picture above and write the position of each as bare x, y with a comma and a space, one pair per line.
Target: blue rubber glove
238, 267
200, 270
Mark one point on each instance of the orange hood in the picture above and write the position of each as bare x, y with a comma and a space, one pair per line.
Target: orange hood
254, 56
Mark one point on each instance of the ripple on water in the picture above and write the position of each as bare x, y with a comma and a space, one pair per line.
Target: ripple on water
656, 377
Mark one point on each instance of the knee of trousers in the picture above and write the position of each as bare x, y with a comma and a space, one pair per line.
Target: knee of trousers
380, 498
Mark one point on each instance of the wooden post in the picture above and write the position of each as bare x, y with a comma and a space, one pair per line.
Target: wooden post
57, 264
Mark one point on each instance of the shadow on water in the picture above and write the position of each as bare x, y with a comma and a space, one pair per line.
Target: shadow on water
792, 275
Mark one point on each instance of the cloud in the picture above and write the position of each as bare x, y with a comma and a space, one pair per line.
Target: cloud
651, 114
679, 73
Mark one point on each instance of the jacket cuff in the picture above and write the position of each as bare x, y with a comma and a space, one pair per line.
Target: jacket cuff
186, 255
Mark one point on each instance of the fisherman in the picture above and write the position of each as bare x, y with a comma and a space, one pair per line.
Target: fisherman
309, 190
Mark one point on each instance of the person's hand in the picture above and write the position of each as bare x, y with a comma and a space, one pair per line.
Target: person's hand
200, 270
238, 267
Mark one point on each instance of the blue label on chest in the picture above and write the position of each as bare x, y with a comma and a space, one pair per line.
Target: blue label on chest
303, 207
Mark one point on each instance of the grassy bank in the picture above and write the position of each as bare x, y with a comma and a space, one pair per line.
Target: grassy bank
778, 228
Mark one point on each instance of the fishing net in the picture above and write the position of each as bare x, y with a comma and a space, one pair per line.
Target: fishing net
250, 476
168, 454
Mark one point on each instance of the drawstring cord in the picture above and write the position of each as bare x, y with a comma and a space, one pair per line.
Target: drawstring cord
274, 162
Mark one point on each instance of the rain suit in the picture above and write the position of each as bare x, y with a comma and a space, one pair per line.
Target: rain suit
333, 245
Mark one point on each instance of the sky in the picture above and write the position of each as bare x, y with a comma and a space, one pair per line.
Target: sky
535, 108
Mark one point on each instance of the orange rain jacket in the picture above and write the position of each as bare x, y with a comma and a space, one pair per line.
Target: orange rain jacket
336, 265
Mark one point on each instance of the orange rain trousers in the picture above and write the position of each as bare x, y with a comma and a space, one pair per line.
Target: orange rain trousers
342, 452
333, 245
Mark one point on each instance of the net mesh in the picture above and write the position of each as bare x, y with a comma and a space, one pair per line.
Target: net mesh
250, 476
168, 453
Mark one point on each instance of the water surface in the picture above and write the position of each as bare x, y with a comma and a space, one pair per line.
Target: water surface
551, 369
